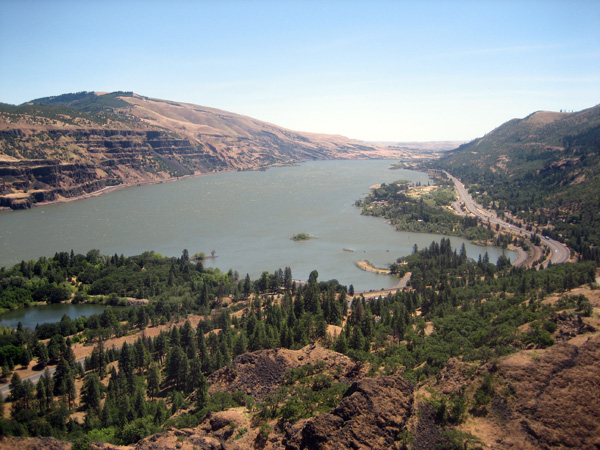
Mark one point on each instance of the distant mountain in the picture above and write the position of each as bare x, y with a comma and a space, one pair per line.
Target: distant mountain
544, 169
77, 144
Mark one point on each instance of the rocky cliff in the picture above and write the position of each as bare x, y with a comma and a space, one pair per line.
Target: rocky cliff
79, 144
534, 399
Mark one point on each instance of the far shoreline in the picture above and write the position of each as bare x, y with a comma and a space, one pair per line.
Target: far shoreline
108, 189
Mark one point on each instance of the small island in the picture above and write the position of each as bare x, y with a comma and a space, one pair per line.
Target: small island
302, 237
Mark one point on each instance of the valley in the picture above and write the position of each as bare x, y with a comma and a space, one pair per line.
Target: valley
558, 252
471, 350
76, 145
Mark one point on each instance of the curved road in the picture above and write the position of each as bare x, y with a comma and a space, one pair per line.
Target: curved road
559, 253
34, 377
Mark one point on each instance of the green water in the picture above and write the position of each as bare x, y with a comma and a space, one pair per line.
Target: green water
248, 218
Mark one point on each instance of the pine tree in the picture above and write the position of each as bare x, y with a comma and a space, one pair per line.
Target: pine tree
61, 377
91, 393
16, 387
126, 366
140, 357
42, 352
247, 286
195, 377
201, 392
176, 366
241, 344
139, 403
153, 381
341, 344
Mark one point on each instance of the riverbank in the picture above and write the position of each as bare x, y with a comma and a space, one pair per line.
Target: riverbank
147, 182
107, 189
366, 265
375, 293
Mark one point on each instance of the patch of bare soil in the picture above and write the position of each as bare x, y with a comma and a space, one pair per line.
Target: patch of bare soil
544, 399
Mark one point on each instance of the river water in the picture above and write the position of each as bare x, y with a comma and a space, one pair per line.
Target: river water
247, 218
30, 317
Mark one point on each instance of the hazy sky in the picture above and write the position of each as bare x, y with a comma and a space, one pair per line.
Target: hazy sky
372, 70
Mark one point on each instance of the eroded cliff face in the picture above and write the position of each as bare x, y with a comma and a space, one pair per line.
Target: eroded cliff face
49, 154
372, 414
555, 401
538, 399
47, 165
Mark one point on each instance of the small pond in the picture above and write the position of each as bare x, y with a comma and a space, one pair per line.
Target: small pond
33, 315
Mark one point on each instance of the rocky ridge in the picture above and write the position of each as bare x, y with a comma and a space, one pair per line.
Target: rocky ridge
58, 148
539, 399
261, 373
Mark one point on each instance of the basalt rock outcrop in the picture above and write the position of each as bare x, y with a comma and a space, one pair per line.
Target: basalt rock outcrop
72, 145
540, 399
372, 415
555, 395
261, 373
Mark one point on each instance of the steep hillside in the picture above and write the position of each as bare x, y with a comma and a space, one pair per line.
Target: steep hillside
76, 144
470, 355
544, 170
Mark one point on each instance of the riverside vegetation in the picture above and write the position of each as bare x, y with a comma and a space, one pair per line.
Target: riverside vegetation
543, 170
423, 209
477, 310
472, 354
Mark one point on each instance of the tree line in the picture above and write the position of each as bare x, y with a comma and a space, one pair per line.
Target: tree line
454, 306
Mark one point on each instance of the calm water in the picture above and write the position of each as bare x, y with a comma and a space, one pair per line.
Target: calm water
248, 218
30, 317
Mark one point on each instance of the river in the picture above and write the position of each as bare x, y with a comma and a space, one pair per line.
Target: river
30, 317
247, 218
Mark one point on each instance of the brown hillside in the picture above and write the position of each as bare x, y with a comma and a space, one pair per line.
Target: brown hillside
52, 151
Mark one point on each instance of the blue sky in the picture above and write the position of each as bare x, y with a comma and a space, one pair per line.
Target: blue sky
371, 70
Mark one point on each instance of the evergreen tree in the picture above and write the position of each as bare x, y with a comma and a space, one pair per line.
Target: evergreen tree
247, 286
91, 393
160, 347
241, 344
287, 278
98, 360
63, 375
176, 366
126, 366
195, 377
16, 387
153, 381
138, 405
140, 355
341, 344
42, 354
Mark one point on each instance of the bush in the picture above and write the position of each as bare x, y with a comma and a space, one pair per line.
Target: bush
103, 435
136, 430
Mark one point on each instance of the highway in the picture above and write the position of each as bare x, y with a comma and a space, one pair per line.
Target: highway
559, 253
4, 390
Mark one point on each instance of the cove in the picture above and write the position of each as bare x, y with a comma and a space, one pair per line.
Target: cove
247, 218
31, 316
